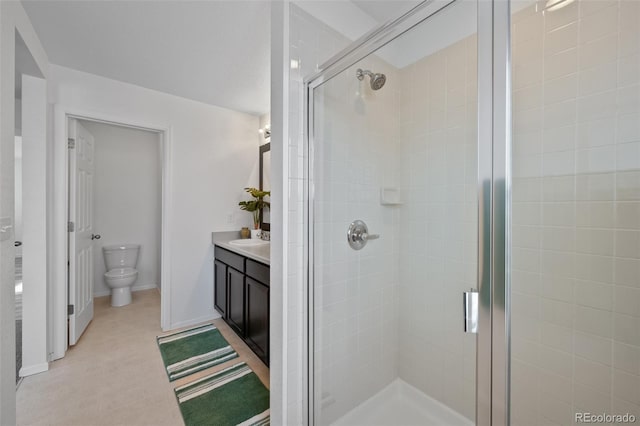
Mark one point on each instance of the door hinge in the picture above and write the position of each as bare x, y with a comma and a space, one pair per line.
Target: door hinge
71, 143
70, 309
71, 227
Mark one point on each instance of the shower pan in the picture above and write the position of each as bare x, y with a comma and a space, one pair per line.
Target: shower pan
499, 284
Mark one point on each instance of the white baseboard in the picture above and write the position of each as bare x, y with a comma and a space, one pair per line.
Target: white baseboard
134, 288
195, 321
33, 369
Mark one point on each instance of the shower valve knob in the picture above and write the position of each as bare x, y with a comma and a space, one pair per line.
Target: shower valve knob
95, 236
358, 235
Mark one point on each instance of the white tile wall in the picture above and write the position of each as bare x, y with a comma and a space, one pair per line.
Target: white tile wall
311, 43
576, 193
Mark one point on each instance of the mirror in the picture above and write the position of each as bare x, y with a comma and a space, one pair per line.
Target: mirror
265, 183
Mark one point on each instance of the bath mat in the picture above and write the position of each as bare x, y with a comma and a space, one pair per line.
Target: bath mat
188, 351
233, 396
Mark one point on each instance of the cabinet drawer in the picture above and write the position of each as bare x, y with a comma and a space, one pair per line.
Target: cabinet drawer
234, 260
258, 271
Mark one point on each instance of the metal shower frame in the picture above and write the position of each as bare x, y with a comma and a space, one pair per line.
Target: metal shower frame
494, 193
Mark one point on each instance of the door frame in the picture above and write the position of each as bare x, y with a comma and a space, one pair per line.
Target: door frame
58, 294
494, 212
494, 195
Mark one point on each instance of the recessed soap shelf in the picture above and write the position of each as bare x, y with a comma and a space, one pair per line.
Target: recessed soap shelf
390, 196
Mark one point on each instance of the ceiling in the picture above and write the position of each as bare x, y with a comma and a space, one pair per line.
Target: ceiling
212, 51
217, 52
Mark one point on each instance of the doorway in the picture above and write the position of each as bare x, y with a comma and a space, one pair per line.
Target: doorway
122, 186
60, 295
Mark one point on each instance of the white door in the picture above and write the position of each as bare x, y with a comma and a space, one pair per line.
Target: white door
81, 164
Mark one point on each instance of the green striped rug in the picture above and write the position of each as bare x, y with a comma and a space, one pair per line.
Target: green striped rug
233, 396
188, 351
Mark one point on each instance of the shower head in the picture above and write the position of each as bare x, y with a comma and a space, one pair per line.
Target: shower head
377, 79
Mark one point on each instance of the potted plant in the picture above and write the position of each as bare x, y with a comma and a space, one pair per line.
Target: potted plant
255, 206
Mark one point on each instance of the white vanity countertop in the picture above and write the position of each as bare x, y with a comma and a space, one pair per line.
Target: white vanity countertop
261, 253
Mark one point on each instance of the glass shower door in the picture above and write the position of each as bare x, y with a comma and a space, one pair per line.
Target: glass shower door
394, 146
575, 321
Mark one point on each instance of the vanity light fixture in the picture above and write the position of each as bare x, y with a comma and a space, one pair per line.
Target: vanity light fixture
265, 131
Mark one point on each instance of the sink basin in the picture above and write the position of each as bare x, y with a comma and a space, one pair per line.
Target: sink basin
248, 242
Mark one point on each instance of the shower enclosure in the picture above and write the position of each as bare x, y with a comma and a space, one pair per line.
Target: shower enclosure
394, 143
474, 217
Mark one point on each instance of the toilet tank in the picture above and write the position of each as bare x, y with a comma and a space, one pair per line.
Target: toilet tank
121, 256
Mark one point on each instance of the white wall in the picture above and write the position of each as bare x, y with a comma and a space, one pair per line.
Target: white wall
127, 198
212, 156
34, 225
12, 18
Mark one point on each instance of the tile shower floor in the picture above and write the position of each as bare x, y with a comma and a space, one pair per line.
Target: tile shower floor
115, 375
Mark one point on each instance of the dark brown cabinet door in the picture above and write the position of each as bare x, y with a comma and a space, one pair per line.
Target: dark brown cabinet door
257, 326
220, 288
235, 306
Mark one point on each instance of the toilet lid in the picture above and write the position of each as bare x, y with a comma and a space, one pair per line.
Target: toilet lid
121, 273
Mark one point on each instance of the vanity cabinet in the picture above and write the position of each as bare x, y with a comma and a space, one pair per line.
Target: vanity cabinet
241, 295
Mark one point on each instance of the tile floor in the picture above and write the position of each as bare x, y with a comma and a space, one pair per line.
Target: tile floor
115, 375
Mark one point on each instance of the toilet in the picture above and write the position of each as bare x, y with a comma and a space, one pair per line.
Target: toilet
121, 274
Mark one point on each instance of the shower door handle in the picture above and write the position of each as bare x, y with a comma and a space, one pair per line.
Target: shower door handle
470, 309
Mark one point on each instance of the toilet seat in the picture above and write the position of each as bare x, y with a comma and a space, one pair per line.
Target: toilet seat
121, 273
